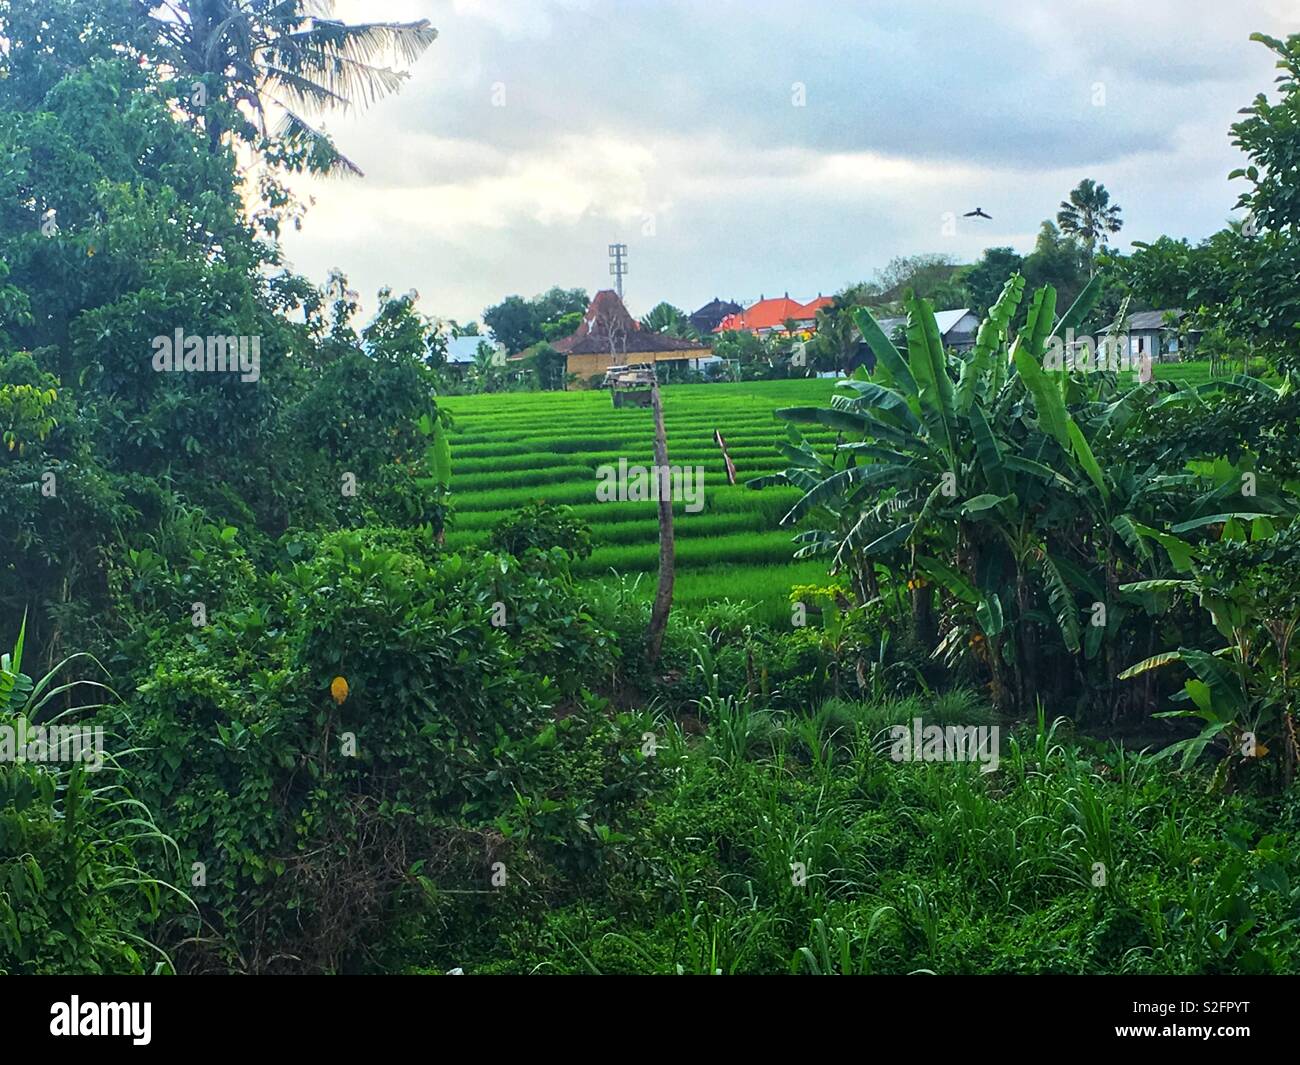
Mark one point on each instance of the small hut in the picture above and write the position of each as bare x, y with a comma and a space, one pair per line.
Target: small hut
630, 386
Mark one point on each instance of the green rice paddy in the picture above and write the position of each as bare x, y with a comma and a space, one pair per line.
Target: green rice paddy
1196, 373
512, 449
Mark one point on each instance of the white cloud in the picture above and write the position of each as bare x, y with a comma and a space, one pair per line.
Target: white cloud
670, 126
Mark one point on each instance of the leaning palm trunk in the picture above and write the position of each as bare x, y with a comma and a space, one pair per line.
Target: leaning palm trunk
667, 565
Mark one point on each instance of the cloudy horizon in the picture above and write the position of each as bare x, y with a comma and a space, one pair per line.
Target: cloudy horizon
746, 150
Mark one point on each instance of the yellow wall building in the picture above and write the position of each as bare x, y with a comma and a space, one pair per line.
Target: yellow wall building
609, 336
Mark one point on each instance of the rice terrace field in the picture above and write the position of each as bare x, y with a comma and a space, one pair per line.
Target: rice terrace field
512, 449
682, 522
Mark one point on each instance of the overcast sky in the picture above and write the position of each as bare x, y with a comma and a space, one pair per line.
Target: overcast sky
747, 149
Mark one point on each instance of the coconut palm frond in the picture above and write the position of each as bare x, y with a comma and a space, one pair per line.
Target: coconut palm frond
291, 53
352, 81
293, 129
303, 92
365, 42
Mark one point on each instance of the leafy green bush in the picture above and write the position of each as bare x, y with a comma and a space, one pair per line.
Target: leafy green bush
1060, 862
311, 813
1243, 692
543, 526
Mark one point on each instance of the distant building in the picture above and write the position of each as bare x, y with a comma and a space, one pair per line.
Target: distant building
776, 316
463, 351
609, 336
1156, 333
957, 329
710, 316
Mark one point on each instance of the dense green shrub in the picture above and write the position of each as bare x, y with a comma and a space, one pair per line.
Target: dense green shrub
544, 526
309, 816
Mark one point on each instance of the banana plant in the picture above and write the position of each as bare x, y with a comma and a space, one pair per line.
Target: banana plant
834, 526
961, 448
1242, 692
978, 474
15, 685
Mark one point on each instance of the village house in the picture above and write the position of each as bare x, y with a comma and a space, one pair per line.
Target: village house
957, 330
710, 316
1156, 333
610, 336
782, 315
463, 351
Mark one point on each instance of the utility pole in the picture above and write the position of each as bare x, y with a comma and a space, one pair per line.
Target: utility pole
618, 253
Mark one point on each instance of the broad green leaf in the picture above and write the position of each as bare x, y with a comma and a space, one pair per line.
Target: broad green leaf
1048, 403
1162, 584
1079, 578
1123, 525
1215, 519
1262, 529
439, 456
929, 368
1093, 635
839, 485
1038, 322
1154, 662
888, 357
16, 663
869, 395
1225, 689
1083, 453
847, 421
989, 615
890, 540
984, 502
1190, 749
1062, 602
1180, 552
1040, 470
990, 455
1080, 308
1199, 692
948, 578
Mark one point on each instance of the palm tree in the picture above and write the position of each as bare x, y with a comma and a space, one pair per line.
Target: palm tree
962, 465
836, 340
1089, 215
286, 56
487, 373
669, 320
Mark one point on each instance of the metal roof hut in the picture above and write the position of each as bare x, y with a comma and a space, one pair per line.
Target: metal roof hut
1157, 333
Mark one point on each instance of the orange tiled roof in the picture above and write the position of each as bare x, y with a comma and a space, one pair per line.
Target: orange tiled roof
773, 314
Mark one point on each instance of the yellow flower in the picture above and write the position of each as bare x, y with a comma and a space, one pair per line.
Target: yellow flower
339, 689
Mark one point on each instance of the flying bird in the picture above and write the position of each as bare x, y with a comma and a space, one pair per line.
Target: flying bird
978, 213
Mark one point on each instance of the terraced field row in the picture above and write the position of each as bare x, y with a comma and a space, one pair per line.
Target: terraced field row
509, 450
